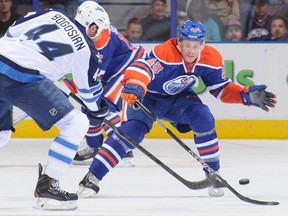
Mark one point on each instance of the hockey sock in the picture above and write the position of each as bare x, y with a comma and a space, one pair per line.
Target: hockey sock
109, 155
73, 128
94, 136
208, 148
114, 118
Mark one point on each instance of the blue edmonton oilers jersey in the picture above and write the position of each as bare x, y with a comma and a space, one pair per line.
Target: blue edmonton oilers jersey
166, 73
172, 75
116, 53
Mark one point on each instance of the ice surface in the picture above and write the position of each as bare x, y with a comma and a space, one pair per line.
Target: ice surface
147, 189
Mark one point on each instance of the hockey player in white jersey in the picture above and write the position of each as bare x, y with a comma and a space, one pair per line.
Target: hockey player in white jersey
38, 49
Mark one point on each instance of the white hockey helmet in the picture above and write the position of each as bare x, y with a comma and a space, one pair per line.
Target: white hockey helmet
90, 12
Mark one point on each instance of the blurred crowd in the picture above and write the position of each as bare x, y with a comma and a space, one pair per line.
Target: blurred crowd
150, 20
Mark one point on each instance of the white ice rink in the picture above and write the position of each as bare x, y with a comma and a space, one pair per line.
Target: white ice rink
147, 189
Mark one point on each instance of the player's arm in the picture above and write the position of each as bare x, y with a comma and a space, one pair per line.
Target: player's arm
136, 79
222, 88
85, 76
249, 95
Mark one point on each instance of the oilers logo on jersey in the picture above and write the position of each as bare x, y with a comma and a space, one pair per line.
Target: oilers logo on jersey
178, 84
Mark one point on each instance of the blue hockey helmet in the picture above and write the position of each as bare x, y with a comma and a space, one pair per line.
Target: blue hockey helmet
81, 1
193, 31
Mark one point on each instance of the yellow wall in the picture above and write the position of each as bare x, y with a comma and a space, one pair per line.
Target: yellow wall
226, 129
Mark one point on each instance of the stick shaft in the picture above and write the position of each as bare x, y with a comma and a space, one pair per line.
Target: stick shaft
17, 121
205, 165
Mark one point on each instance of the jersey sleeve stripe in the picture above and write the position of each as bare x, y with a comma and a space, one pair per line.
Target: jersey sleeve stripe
91, 90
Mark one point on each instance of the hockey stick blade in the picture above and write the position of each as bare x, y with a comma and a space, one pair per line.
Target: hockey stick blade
244, 198
196, 185
203, 163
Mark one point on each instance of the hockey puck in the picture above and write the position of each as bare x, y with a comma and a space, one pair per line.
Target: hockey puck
244, 181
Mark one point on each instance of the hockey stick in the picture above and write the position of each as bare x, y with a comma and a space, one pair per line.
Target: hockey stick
197, 185
20, 119
203, 163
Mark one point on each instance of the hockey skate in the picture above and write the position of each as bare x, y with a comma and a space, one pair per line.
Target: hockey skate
127, 160
217, 189
88, 187
86, 156
50, 196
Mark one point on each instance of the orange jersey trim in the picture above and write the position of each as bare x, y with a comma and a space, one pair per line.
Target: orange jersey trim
131, 74
231, 93
168, 51
103, 39
210, 57
113, 96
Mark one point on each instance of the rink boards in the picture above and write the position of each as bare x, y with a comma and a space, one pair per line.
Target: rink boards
245, 64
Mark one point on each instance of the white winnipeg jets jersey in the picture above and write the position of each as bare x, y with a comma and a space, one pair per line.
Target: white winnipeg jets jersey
48, 44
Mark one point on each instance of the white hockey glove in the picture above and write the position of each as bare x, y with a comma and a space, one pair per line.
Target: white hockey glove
257, 96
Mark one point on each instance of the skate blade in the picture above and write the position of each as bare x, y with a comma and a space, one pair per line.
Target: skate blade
126, 162
84, 192
54, 205
216, 192
82, 163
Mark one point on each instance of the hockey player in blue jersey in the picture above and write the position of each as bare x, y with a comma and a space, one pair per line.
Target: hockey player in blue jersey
37, 50
116, 55
165, 79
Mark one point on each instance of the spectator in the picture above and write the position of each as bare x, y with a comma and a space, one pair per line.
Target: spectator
279, 9
182, 7
198, 11
233, 31
7, 16
245, 7
278, 30
156, 25
258, 24
275, 1
223, 11
134, 29
181, 20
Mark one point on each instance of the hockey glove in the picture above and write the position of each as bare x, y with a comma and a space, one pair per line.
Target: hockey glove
257, 96
133, 91
96, 118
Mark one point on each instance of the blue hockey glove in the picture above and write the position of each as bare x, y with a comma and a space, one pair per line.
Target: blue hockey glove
257, 96
96, 118
132, 92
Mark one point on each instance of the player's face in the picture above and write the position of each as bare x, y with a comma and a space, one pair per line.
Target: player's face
92, 31
190, 50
